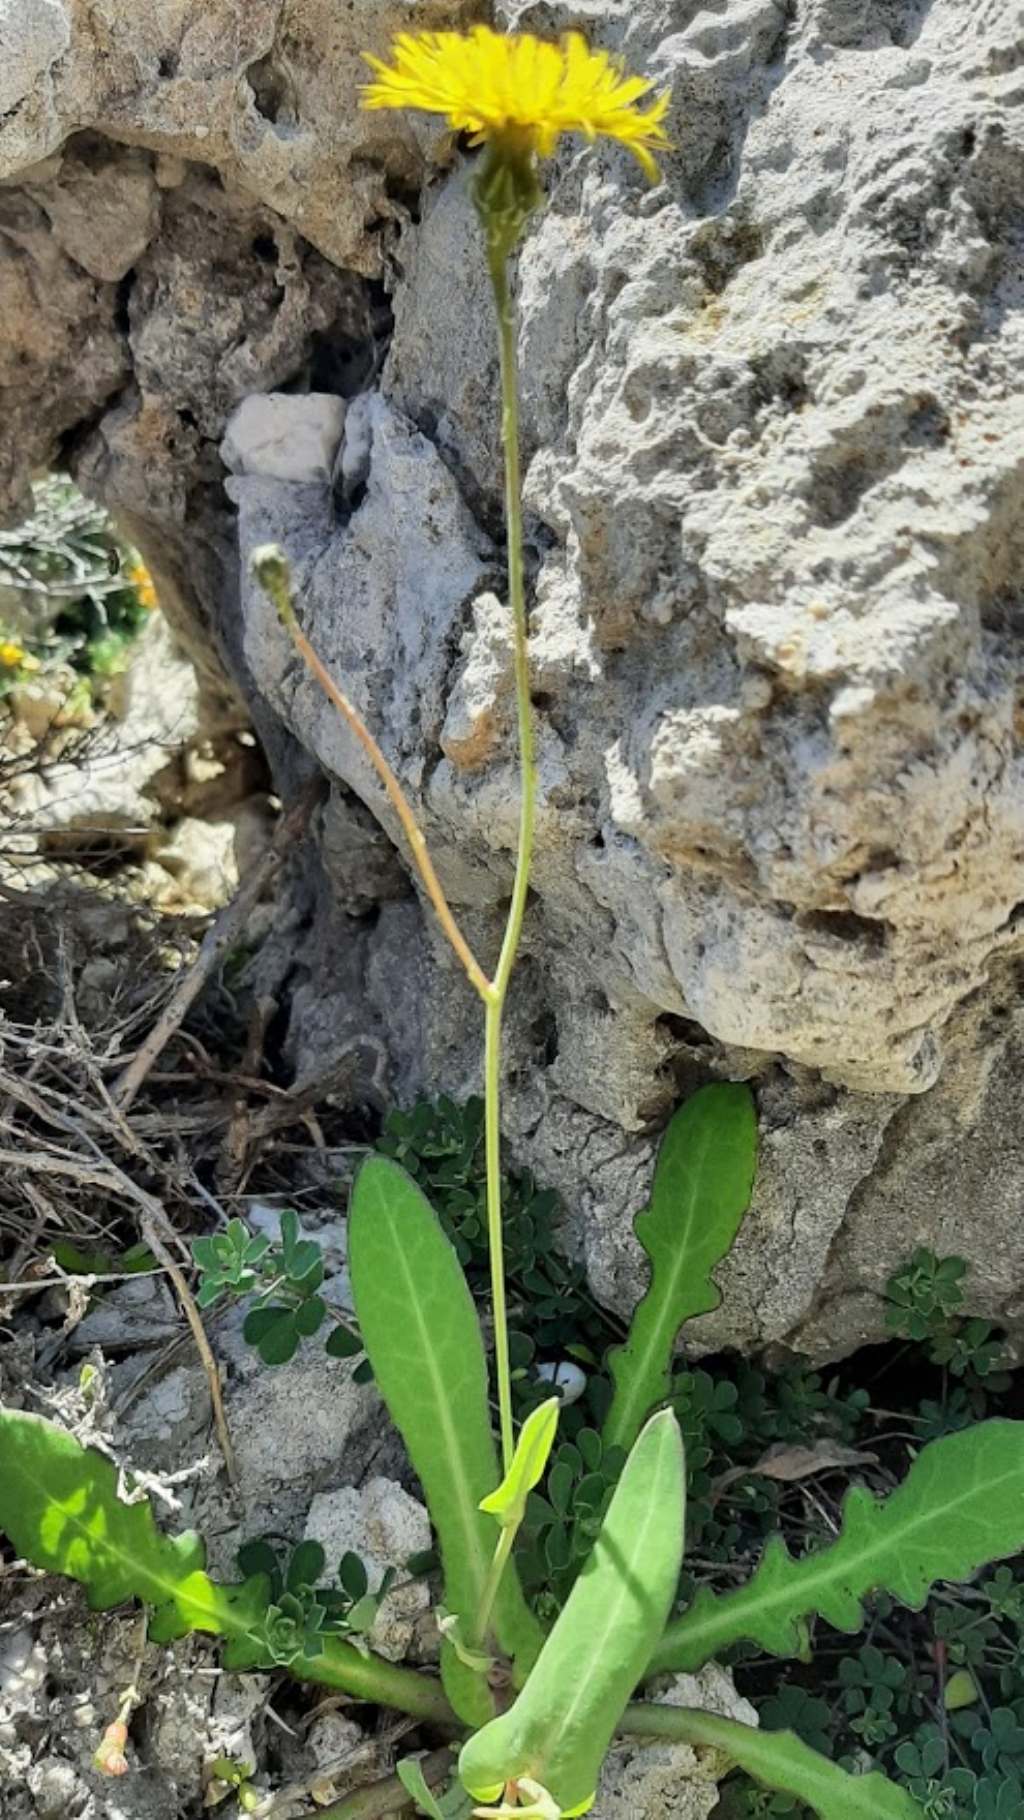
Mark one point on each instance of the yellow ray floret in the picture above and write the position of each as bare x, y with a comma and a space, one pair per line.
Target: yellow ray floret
489, 84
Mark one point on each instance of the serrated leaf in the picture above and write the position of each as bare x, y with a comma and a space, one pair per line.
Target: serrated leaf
423, 1341
780, 1760
559, 1728
59, 1507
702, 1188
536, 1438
961, 1505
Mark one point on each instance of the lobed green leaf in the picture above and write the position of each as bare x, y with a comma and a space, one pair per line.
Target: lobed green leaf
960, 1506
60, 1507
702, 1187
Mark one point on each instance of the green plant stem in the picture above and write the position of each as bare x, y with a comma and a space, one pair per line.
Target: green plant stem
370, 1678
502, 1555
495, 1236
495, 1000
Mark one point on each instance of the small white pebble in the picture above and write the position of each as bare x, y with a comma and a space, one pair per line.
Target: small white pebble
567, 1378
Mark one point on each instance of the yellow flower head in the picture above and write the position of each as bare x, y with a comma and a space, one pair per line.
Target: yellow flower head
12, 656
520, 89
142, 581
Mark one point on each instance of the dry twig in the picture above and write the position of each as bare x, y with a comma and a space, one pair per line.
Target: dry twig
153, 1222
217, 942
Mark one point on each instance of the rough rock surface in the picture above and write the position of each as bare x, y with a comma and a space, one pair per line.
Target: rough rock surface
384, 1526
774, 456
641, 1779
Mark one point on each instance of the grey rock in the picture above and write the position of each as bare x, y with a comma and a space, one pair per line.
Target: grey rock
34, 34
295, 1428
346, 1756
109, 789
56, 1788
22, 1670
103, 205
674, 1780
383, 1525
168, 1425
284, 437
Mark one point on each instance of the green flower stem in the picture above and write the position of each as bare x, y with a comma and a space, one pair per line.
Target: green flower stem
502, 1555
495, 1003
506, 198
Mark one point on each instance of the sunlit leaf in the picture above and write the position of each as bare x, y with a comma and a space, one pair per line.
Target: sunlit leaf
702, 1187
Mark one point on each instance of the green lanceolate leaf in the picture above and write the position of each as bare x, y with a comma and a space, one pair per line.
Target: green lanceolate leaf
702, 1188
960, 1506
536, 1439
59, 1506
422, 1336
560, 1726
781, 1761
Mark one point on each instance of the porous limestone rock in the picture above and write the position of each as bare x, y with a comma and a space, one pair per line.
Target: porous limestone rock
384, 1526
774, 458
673, 1781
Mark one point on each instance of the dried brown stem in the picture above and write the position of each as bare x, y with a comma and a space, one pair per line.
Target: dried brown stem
389, 1796
217, 942
272, 572
152, 1222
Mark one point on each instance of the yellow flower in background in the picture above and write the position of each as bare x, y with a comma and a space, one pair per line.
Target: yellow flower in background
145, 588
14, 656
521, 90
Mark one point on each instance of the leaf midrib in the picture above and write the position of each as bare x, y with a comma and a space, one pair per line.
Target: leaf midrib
646, 1315
808, 1577
141, 1570
562, 1721
464, 1501
803, 1772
